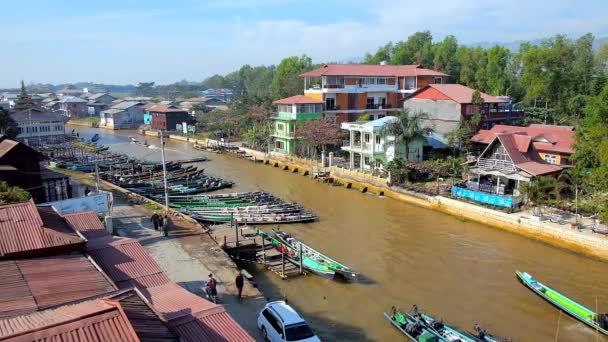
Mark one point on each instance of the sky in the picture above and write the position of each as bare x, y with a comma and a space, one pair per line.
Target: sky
128, 41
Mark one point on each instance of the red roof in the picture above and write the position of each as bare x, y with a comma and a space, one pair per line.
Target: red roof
194, 318
457, 92
86, 223
126, 262
33, 284
96, 320
547, 138
372, 70
298, 99
161, 108
23, 233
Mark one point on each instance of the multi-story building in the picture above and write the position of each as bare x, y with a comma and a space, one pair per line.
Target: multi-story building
352, 90
446, 105
126, 114
37, 127
291, 111
73, 107
369, 147
165, 118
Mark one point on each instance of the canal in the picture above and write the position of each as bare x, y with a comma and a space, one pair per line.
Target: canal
461, 271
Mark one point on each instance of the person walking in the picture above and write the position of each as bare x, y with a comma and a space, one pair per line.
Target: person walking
211, 288
239, 283
165, 223
154, 219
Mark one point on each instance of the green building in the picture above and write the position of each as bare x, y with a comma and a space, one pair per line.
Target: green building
290, 112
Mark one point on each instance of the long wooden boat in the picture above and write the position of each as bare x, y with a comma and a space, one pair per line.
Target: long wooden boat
340, 269
439, 328
481, 335
411, 328
593, 319
308, 262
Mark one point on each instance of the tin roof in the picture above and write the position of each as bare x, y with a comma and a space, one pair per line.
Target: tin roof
372, 70
95, 320
34, 284
457, 92
550, 138
194, 318
298, 99
86, 223
126, 262
23, 232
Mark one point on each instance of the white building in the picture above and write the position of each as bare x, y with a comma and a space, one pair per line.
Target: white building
39, 127
127, 114
370, 148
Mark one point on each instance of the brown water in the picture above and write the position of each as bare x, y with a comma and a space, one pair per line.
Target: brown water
461, 271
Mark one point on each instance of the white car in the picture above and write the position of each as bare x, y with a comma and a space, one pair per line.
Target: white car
279, 322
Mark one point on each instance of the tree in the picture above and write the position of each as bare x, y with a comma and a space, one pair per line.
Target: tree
497, 77
8, 126
286, 81
473, 61
417, 49
214, 82
540, 191
12, 194
460, 138
445, 57
320, 133
145, 89
383, 54
259, 136
406, 128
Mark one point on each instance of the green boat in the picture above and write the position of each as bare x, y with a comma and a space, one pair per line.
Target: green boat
411, 327
597, 321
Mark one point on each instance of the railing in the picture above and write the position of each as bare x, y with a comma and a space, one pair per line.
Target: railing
482, 197
282, 134
496, 164
378, 106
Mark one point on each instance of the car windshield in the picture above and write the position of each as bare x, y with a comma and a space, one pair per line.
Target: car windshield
297, 332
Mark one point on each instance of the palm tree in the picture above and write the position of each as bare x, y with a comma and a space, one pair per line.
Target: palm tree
540, 191
407, 128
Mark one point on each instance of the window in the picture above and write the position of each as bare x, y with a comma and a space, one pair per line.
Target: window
550, 158
280, 127
381, 81
370, 102
438, 80
279, 144
272, 321
366, 137
298, 332
377, 140
500, 153
366, 161
330, 103
382, 102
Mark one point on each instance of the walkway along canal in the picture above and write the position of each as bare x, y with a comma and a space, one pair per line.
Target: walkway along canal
461, 271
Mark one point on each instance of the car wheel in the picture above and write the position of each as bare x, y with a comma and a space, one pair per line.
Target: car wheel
264, 333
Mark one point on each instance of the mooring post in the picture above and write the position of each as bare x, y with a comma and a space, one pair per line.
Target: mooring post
300, 256
282, 264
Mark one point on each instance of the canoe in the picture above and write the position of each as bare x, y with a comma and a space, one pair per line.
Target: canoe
481, 335
411, 328
597, 321
291, 253
340, 270
441, 329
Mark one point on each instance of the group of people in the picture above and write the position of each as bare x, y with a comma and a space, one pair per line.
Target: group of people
211, 286
161, 222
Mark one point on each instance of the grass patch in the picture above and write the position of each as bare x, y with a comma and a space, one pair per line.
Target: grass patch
90, 119
201, 135
151, 206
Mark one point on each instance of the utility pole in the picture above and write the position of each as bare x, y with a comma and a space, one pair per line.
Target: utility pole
162, 150
97, 175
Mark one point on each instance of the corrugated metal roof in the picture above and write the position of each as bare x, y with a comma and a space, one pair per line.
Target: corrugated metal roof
6, 145
97, 320
409, 70
86, 223
194, 318
22, 232
458, 92
147, 324
298, 99
126, 261
34, 284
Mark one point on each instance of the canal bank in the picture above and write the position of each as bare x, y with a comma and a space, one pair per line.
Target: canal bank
459, 270
563, 236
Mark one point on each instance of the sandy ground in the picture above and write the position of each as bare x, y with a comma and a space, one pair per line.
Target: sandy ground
187, 256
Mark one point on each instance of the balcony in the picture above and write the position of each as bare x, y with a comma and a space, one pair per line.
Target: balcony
496, 164
282, 134
378, 106
364, 147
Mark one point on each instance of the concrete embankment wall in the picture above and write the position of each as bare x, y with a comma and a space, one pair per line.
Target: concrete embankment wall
521, 223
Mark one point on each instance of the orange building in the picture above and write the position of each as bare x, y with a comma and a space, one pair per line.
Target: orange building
352, 90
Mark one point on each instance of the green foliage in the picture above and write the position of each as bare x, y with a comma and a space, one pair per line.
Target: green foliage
363, 118
407, 128
8, 126
460, 138
286, 81
259, 136
12, 194
541, 190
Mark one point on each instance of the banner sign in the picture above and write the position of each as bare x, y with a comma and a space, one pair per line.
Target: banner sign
100, 203
482, 197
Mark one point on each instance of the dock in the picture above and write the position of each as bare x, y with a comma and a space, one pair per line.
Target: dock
244, 244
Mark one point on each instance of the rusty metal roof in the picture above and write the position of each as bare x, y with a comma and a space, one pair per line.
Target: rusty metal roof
86, 223
126, 262
23, 233
194, 318
95, 320
35, 284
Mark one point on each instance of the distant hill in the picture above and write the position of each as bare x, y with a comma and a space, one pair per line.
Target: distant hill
514, 46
